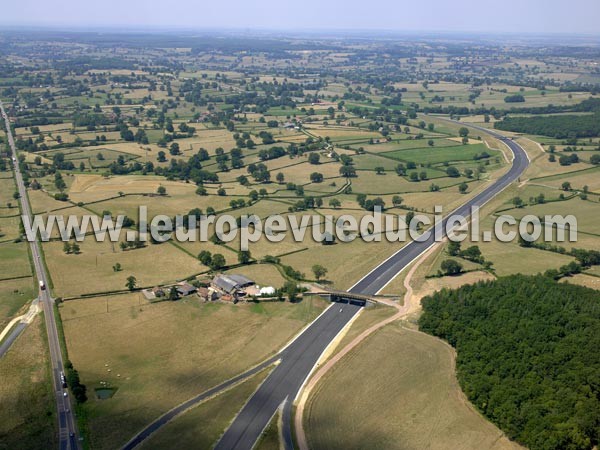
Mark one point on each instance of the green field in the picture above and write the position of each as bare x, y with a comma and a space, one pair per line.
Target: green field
14, 260
28, 416
412, 400
202, 426
90, 157
435, 155
586, 212
14, 294
158, 355
7, 189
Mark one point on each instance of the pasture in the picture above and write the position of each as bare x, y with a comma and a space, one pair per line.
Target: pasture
7, 189
14, 295
9, 228
25, 375
91, 271
433, 155
14, 260
423, 407
363, 255
586, 212
589, 177
509, 258
161, 354
202, 426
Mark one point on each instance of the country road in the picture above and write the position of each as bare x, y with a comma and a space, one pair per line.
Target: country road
67, 426
298, 359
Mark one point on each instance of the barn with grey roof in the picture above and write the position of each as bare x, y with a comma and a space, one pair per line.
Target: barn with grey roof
231, 283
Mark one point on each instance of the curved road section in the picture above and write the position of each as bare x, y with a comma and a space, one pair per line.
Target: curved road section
67, 426
386, 271
297, 360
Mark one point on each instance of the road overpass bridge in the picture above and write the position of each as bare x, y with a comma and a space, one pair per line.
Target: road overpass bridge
351, 297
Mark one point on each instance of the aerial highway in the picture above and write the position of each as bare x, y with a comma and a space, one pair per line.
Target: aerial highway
376, 280
67, 425
168, 416
11, 337
10, 334
299, 358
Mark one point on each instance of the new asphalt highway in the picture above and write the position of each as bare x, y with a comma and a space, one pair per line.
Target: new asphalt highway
387, 270
15, 332
66, 422
299, 358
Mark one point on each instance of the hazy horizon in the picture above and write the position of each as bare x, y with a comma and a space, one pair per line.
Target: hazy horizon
578, 17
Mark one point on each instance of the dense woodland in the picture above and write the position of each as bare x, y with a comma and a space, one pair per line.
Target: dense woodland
527, 356
560, 127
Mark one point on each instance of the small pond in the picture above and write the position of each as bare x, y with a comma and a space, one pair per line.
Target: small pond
105, 393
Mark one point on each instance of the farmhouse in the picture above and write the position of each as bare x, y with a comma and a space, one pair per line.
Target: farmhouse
231, 284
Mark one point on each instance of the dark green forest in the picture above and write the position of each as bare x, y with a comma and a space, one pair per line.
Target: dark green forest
561, 127
528, 356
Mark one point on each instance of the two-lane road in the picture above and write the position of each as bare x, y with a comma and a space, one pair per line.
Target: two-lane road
387, 270
66, 420
287, 378
298, 360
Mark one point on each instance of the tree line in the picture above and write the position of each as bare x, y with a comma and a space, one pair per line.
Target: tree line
527, 356
560, 127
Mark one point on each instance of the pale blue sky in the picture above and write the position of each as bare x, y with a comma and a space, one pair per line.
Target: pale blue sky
537, 16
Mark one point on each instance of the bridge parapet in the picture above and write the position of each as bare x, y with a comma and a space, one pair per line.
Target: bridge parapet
340, 296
